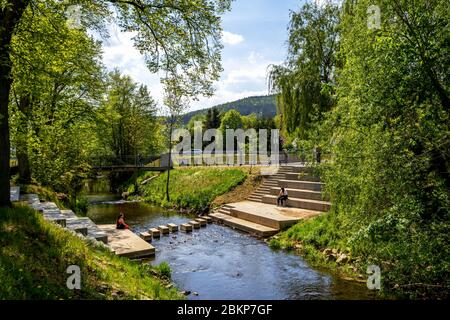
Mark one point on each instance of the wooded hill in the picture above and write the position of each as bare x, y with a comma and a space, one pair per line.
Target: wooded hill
262, 105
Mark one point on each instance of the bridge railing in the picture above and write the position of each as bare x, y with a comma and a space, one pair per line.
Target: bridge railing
127, 160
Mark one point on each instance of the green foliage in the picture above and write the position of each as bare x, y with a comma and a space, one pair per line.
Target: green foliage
193, 188
231, 120
35, 255
164, 270
388, 137
127, 123
263, 106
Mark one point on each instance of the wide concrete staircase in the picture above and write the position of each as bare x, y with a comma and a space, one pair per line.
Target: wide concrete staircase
260, 215
304, 189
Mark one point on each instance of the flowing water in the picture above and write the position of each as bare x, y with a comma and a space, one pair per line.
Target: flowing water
220, 263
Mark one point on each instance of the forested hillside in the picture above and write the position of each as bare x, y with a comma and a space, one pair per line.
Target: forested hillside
263, 105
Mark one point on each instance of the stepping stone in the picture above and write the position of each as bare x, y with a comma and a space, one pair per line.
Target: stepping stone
186, 227
146, 236
164, 229
173, 227
68, 214
30, 198
195, 224
45, 206
208, 219
54, 217
77, 225
93, 231
201, 221
14, 194
156, 233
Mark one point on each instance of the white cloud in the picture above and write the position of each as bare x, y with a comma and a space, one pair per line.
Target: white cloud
242, 78
231, 38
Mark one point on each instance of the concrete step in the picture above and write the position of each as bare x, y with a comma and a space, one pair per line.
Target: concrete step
224, 211
30, 198
299, 193
14, 194
307, 204
301, 177
77, 225
269, 219
302, 185
302, 169
93, 231
244, 225
271, 183
260, 193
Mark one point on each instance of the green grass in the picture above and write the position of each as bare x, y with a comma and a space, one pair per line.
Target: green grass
35, 255
310, 237
192, 189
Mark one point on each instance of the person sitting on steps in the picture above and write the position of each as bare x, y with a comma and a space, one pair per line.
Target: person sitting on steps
120, 224
282, 197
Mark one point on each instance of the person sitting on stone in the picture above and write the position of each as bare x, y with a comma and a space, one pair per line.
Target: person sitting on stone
120, 224
282, 197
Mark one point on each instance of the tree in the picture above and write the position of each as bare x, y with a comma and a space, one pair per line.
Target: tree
56, 84
128, 124
176, 103
174, 36
212, 120
389, 137
305, 83
231, 120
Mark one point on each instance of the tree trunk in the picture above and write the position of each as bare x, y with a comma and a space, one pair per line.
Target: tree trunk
169, 161
22, 141
9, 18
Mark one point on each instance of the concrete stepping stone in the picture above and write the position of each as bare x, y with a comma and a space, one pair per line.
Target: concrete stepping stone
156, 233
125, 243
45, 206
30, 198
195, 224
93, 231
201, 221
164, 229
68, 214
208, 219
173, 227
77, 225
186, 227
146, 236
14, 194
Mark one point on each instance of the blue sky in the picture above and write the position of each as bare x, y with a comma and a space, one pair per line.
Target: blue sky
255, 35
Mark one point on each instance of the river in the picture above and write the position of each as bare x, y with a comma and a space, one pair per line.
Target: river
221, 263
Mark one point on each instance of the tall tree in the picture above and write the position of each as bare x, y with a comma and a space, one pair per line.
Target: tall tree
173, 35
305, 83
57, 79
127, 120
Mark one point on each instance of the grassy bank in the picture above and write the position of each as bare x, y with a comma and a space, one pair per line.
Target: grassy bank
35, 255
417, 269
192, 189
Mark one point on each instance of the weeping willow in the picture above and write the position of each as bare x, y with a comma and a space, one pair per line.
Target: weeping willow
304, 83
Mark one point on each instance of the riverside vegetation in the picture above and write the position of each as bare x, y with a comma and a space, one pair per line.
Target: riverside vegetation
36, 254
375, 101
191, 189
